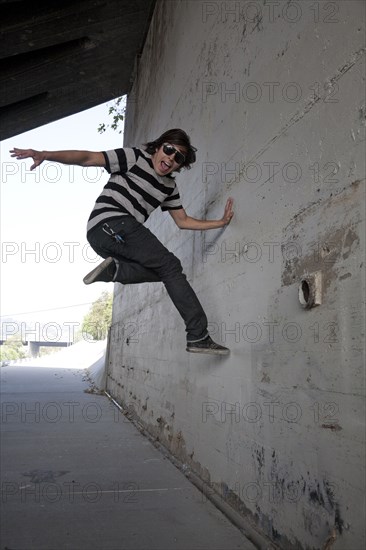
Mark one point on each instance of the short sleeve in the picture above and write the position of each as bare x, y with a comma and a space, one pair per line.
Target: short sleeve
173, 202
119, 160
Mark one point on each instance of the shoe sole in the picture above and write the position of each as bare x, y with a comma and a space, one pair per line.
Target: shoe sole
90, 277
209, 351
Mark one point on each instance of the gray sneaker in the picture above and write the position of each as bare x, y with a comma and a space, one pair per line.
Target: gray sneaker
207, 345
103, 272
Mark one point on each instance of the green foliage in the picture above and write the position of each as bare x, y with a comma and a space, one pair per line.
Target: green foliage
12, 349
117, 112
98, 320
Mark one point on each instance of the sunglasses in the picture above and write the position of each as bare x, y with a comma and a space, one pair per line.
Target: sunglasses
171, 150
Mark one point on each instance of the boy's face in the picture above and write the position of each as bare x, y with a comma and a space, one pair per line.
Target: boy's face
166, 164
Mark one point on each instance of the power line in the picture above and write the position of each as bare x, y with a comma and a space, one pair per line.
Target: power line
45, 310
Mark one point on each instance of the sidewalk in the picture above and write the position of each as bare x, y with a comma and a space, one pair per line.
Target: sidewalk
77, 475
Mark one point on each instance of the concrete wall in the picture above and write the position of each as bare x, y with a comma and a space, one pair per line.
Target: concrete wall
272, 96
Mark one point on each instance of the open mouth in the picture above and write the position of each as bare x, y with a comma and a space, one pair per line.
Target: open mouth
165, 166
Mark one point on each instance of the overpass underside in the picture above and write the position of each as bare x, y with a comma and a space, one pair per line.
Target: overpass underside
60, 58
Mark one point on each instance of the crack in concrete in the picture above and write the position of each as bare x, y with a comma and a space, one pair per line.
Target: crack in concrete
299, 115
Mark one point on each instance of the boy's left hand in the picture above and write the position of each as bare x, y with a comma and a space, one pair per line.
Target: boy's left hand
228, 213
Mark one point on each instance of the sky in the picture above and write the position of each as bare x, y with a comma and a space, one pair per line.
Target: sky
44, 251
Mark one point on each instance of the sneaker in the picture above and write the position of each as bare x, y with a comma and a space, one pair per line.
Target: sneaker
207, 346
103, 272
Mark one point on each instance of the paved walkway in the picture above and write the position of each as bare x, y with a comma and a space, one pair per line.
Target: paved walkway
77, 475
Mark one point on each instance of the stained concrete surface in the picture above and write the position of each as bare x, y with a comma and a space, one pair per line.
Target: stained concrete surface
280, 422
76, 474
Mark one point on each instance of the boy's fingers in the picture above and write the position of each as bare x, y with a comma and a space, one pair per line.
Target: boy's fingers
22, 152
229, 204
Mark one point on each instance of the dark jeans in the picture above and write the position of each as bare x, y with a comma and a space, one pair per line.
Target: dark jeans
142, 259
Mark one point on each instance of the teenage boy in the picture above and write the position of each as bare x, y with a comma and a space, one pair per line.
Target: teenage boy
141, 180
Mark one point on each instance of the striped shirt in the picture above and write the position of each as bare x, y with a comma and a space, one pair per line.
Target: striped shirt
134, 188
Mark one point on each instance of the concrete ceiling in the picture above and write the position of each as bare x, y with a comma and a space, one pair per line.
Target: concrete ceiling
60, 58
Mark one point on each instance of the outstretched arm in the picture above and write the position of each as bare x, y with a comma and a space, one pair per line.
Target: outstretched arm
184, 221
79, 158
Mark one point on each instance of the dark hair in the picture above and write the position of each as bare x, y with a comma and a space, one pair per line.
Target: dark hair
175, 137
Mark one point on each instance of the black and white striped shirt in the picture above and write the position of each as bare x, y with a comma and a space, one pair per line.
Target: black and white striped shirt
134, 188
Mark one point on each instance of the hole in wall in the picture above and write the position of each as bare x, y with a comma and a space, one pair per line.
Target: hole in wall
305, 290
310, 290
306, 294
